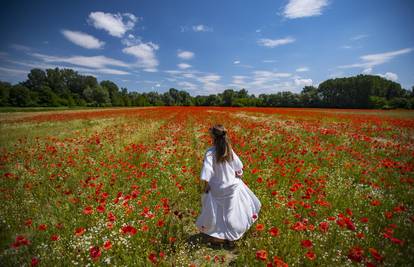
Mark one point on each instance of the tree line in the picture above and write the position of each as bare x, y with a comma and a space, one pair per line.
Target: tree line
66, 87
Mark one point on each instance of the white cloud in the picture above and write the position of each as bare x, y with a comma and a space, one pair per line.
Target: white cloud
359, 37
115, 24
185, 55
303, 82
20, 47
97, 62
239, 79
5, 72
201, 28
268, 61
275, 42
145, 53
131, 40
236, 62
187, 85
304, 8
210, 78
83, 39
184, 66
389, 76
367, 71
302, 69
51, 65
371, 60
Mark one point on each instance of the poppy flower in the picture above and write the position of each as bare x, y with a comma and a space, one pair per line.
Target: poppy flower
95, 253
79, 231
128, 229
375, 254
152, 257
259, 227
261, 255
356, 254
310, 255
34, 262
274, 231
107, 245
42, 227
306, 243
88, 210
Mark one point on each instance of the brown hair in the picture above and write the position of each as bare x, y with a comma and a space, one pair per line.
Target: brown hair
222, 143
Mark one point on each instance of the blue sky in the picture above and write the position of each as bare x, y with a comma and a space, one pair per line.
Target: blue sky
205, 47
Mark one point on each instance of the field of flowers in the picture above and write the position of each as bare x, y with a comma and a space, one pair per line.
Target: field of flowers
121, 187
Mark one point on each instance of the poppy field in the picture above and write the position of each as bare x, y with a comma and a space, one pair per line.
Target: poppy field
121, 186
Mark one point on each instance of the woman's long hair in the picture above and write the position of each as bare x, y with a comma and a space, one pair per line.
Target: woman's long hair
222, 143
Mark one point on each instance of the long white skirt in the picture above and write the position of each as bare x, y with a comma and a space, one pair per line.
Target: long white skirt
227, 213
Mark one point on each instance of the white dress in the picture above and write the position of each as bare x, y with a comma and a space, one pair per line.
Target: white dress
230, 207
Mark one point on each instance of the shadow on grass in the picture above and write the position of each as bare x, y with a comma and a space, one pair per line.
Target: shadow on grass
201, 239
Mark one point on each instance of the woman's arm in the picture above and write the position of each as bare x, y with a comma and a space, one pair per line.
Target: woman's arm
206, 187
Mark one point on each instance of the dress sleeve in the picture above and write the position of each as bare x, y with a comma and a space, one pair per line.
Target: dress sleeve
237, 164
207, 170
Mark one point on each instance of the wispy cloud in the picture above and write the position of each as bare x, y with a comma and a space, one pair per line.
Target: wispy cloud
83, 39
275, 42
359, 37
303, 82
304, 8
115, 24
84, 61
196, 28
186, 55
202, 28
371, 60
302, 69
184, 66
390, 76
145, 54
20, 47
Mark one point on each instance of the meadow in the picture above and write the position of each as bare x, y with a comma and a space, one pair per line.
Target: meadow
121, 186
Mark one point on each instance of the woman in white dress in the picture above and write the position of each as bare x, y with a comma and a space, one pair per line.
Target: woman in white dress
229, 207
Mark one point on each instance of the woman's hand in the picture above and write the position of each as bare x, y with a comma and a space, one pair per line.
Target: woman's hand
206, 188
239, 174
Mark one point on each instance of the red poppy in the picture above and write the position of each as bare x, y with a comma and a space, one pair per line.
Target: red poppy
100, 208
42, 227
160, 223
152, 258
324, 227
375, 202
128, 229
356, 254
54, 238
274, 231
79, 231
375, 254
279, 262
107, 245
88, 210
261, 255
259, 227
34, 262
95, 253
310, 255
306, 243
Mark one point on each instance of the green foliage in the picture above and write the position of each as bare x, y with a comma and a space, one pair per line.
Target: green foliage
65, 87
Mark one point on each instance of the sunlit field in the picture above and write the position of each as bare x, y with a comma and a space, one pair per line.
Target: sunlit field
121, 187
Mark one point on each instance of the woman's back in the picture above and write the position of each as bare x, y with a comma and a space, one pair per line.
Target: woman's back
221, 174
